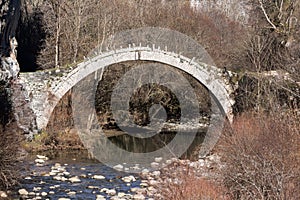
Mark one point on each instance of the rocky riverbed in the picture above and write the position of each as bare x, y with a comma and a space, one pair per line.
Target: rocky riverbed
73, 176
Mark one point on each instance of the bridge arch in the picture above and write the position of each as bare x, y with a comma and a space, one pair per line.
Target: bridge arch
211, 77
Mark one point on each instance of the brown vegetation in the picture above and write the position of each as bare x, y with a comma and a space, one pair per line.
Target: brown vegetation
261, 156
180, 182
68, 33
9, 155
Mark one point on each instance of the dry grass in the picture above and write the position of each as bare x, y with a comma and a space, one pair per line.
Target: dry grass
180, 182
261, 156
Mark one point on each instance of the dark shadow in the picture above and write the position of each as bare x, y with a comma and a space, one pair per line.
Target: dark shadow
30, 37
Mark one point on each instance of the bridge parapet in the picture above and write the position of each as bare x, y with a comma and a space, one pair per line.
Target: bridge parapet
47, 87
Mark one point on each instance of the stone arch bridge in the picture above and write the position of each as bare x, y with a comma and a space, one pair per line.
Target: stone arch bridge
43, 89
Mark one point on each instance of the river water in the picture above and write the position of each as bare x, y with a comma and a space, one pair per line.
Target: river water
40, 183
36, 179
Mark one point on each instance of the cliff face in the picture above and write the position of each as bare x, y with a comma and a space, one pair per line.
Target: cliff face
10, 13
13, 99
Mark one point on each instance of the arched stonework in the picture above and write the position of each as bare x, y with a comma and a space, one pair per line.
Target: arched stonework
46, 88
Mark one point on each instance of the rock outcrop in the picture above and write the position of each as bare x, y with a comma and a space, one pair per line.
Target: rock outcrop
10, 13
9, 67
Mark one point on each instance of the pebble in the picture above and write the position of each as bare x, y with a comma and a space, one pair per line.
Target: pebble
74, 179
154, 165
64, 199
98, 177
72, 193
168, 162
156, 173
128, 179
31, 194
35, 189
118, 167
51, 192
121, 194
44, 194
100, 197
3, 194
93, 187
58, 178
138, 196
134, 189
111, 192
23, 192
158, 159
42, 157
39, 161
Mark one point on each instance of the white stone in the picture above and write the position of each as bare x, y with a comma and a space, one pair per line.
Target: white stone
71, 193
158, 159
128, 179
42, 157
121, 194
104, 189
155, 165
138, 197
64, 199
66, 173
134, 189
156, 173
111, 192
57, 178
35, 189
100, 197
93, 187
51, 192
64, 179
118, 167
3, 194
23, 192
31, 194
57, 165
39, 161
98, 177
74, 179
44, 194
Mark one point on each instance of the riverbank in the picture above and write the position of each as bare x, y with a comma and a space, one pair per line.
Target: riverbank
72, 175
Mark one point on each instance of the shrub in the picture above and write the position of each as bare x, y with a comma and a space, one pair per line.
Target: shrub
180, 182
9, 155
261, 156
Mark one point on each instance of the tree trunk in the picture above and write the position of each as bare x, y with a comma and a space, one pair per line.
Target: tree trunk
10, 13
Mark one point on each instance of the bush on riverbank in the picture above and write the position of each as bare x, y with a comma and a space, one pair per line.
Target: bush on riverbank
261, 156
180, 181
9, 155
